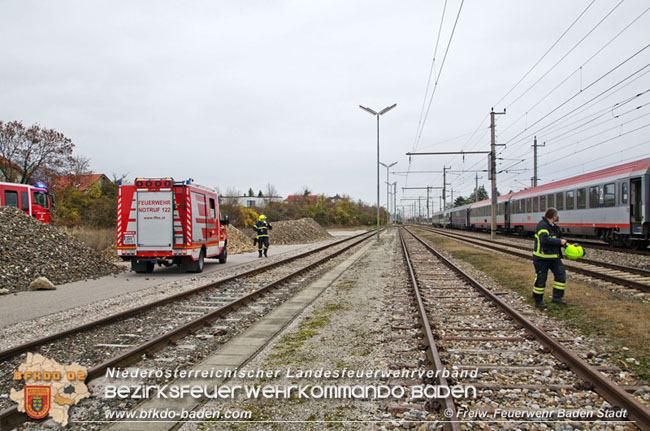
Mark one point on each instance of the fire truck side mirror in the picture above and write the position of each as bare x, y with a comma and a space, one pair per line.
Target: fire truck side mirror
225, 221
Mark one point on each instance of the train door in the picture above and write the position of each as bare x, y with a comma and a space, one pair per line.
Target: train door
506, 215
636, 215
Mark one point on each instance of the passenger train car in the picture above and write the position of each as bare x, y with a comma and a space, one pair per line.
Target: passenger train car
611, 204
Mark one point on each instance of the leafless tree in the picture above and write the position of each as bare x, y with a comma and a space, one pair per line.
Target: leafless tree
231, 197
271, 193
34, 153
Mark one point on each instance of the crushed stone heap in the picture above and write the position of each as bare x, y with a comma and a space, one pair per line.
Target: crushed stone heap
30, 249
302, 231
238, 242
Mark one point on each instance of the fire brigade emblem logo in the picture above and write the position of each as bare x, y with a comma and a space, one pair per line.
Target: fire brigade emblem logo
37, 401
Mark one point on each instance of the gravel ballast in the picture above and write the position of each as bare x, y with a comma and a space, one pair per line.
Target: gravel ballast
30, 249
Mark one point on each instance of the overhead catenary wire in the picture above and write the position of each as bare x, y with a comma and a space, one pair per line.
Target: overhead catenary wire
609, 110
435, 85
579, 69
576, 118
561, 122
442, 65
482, 122
568, 52
431, 72
580, 92
546, 53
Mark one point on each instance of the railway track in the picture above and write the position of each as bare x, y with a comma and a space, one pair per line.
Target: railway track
522, 370
631, 277
204, 318
584, 243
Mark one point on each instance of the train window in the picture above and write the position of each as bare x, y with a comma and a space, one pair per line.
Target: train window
569, 199
610, 195
11, 198
549, 201
542, 203
582, 199
535, 204
520, 203
24, 201
624, 193
529, 205
559, 201
594, 196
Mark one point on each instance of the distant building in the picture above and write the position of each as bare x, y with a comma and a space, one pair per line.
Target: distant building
12, 169
250, 201
80, 182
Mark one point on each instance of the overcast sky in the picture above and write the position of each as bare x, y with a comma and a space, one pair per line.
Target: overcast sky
245, 93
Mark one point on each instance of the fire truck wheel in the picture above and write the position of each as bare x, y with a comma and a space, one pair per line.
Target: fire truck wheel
195, 265
224, 255
200, 262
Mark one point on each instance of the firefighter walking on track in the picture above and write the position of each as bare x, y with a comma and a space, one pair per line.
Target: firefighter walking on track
262, 228
547, 255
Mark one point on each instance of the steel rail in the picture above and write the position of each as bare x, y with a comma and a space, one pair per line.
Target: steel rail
432, 349
605, 246
622, 268
13, 351
527, 255
11, 417
582, 241
598, 382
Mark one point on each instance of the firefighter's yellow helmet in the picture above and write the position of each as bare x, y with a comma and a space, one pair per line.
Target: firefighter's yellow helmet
574, 251
262, 217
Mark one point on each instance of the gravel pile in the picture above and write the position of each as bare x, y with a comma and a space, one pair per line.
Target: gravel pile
302, 231
30, 249
238, 242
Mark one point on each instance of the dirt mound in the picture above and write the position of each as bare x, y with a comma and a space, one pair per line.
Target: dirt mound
238, 242
302, 231
30, 249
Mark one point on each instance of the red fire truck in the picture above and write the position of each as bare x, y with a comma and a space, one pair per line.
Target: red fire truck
169, 222
34, 200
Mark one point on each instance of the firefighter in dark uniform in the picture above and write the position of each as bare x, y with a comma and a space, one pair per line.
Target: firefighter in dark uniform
261, 228
547, 255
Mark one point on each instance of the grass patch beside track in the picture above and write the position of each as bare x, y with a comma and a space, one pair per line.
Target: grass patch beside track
621, 321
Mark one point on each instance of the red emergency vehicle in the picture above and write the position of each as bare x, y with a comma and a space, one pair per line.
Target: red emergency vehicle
169, 222
34, 200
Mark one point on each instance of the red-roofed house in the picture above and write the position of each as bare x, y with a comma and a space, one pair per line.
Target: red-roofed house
12, 170
80, 182
294, 198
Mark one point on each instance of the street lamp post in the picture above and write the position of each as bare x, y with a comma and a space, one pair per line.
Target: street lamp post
378, 114
388, 186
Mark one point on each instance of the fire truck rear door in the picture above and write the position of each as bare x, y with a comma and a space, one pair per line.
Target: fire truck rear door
155, 220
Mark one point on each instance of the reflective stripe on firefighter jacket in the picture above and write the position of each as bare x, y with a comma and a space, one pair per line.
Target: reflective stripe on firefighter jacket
262, 229
548, 240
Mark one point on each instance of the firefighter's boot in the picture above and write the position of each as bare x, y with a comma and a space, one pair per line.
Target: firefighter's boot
265, 255
539, 300
558, 294
260, 255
